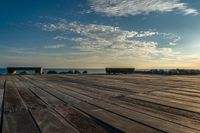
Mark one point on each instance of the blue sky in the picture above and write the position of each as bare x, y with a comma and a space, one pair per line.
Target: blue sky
100, 33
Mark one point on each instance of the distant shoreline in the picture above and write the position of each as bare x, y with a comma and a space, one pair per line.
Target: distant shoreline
58, 70
3, 71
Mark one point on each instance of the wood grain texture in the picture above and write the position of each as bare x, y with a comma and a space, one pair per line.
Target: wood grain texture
17, 118
47, 119
2, 83
100, 104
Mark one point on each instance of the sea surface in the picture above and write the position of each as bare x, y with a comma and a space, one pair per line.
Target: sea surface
90, 71
3, 71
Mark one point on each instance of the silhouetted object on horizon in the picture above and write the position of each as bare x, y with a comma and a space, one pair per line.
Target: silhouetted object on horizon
70, 72
52, 72
76, 72
84, 72
171, 72
63, 73
120, 70
12, 70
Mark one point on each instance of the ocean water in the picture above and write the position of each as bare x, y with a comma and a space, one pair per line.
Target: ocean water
90, 71
3, 71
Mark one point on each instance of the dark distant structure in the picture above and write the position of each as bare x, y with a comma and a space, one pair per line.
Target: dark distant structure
76, 72
120, 70
170, 72
52, 72
12, 70
85, 72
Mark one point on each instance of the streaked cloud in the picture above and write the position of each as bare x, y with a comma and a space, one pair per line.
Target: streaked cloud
112, 41
174, 38
135, 7
57, 46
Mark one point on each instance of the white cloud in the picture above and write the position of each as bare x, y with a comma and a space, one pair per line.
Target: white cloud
110, 40
135, 7
57, 46
174, 39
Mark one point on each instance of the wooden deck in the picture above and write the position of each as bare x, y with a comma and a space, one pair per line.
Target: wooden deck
100, 104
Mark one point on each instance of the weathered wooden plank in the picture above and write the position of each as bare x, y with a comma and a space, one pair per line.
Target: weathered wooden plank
122, 123
96, 92
169, 117
94, 83
179, 117
47, 119
160, 105
17, 118
143, 118
176, 96
174, 102
192, 94
149, 81
120, 87
81, 121
134, 86
166, 126
156, 113
2, 83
